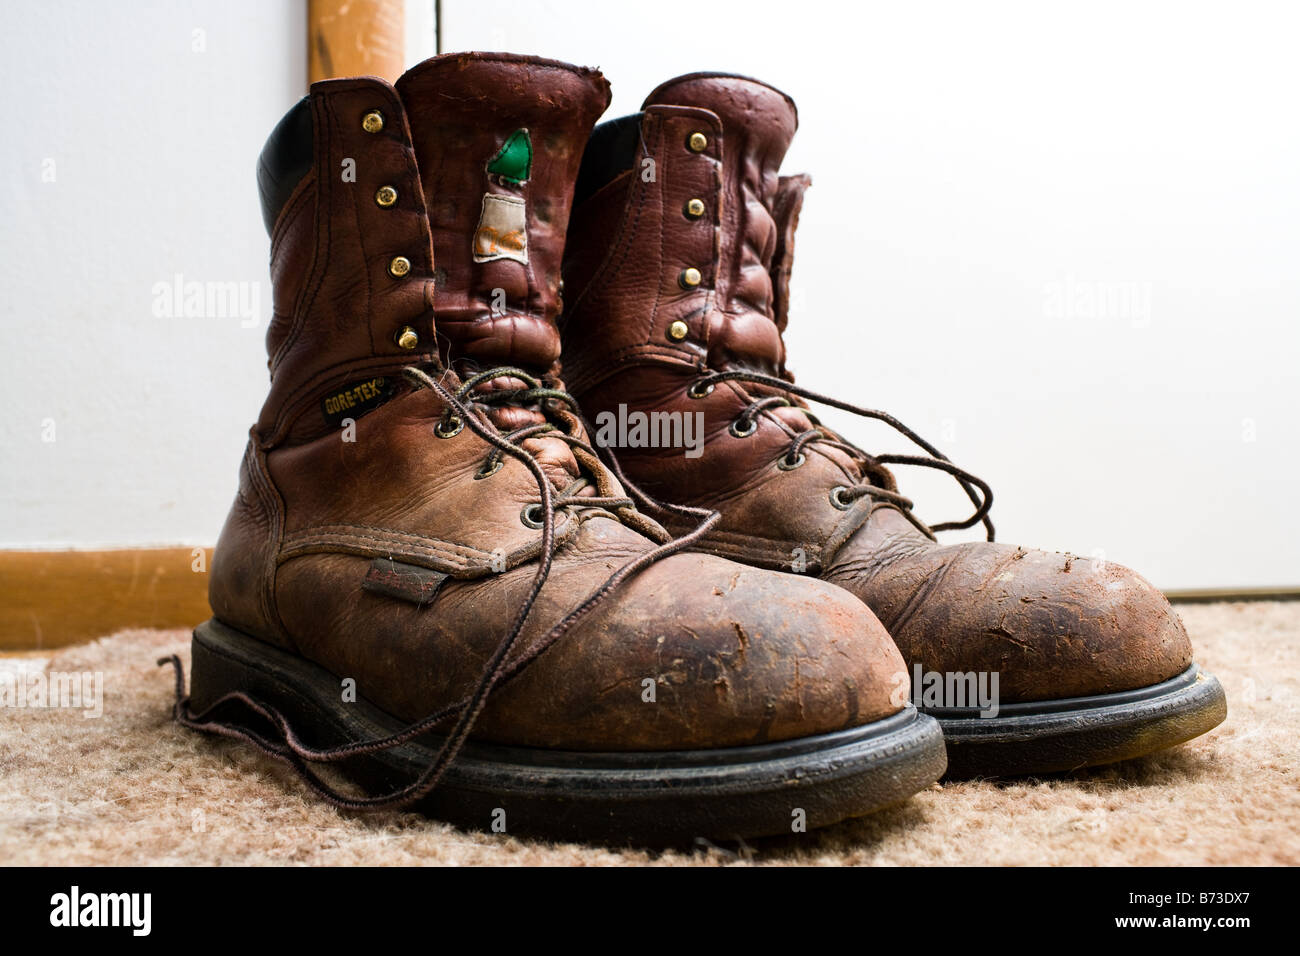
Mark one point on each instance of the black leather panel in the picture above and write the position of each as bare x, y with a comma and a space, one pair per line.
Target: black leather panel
285, 160
611, 150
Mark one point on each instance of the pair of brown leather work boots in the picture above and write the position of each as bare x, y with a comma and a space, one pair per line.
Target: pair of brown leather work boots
702, 615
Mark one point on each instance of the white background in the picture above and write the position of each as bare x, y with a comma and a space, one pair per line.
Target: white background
1060, 239
154, 132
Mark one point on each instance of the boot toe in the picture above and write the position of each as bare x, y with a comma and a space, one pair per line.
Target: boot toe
701, 652
1050, 625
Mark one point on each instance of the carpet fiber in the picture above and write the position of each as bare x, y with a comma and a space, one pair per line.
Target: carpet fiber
129, 787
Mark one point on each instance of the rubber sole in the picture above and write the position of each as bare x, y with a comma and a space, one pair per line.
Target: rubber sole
1057, 735
657, 798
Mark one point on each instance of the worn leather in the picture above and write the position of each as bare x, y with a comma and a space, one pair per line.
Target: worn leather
337, 311
735, 654
1051, 625
462, 108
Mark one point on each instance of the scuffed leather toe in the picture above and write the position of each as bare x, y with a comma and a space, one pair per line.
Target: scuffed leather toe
697, 652
1051, 625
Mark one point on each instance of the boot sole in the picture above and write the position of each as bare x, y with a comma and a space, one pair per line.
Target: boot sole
1057, 735
640, 797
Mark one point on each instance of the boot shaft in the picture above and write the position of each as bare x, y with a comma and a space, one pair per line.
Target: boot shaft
351, 258
692, 183
682, 233
713, 204
445, 195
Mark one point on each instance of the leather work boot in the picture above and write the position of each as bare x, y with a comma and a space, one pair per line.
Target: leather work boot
677, 275
430, 584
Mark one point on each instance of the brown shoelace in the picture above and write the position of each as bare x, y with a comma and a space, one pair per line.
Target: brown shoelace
289, 747
977, 490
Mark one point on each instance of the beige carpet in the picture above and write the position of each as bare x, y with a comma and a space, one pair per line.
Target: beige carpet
131, 788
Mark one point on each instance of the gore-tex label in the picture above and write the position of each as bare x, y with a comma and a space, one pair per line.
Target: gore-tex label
356, 399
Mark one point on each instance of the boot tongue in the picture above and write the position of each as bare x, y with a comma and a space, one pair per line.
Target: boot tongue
498, 139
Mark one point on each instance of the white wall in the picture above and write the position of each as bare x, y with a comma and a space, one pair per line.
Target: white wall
984, 174
970, 162
153, 132
129, 158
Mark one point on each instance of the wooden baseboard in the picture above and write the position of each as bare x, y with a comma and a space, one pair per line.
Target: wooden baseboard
1212, 595
55, 598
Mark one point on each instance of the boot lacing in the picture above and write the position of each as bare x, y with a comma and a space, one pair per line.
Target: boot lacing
842, 497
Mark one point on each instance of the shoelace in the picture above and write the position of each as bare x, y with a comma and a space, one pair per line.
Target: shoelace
537, 393
290, 748
977, 490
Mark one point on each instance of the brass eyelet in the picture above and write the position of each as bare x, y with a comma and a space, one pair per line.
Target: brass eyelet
697, 142
786, 464
448, 427
407, 338
694, 209
690, 278
386, 196
837, 498
739, 432
373, 121
399, 267
695, 391
526, 516
678, 330
487, 471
